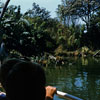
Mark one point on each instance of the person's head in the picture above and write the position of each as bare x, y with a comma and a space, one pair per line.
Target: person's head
6, 67
23, 80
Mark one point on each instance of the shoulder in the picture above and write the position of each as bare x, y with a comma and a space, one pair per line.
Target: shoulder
3, 96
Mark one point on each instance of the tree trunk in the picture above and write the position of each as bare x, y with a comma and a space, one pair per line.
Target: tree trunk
4, 9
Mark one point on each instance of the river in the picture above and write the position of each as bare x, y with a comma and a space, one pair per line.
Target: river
78, 76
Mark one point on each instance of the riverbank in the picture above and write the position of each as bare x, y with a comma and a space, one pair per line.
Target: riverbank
82, 52
63, 58
60, 56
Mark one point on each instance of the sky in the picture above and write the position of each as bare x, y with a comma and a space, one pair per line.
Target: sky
50, 5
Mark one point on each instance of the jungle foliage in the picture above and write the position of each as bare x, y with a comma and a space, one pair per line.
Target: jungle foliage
35, 32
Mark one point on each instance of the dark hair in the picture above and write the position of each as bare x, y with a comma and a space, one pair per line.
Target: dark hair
6, 67
24, 80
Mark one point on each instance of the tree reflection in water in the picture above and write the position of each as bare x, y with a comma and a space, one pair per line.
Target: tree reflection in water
81, 79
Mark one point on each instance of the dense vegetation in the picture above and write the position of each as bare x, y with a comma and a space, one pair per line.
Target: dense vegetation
35, 32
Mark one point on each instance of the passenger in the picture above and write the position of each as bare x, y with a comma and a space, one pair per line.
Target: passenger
24, 80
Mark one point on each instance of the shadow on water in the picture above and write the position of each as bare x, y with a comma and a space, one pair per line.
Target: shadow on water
81, 79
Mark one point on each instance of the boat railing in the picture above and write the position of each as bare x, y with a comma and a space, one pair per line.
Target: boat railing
67, 96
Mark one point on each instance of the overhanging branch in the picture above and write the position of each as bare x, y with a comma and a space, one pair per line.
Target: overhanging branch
4, 9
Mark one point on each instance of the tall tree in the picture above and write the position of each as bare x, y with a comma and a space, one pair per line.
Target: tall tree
38, 11
83, 9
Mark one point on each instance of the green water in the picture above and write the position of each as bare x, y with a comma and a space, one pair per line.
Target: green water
79, 77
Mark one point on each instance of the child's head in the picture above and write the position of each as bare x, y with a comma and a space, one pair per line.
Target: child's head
23, 79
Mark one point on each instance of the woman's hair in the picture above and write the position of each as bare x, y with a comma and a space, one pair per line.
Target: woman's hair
23, 79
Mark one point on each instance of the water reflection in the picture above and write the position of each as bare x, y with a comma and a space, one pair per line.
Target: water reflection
81, 79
